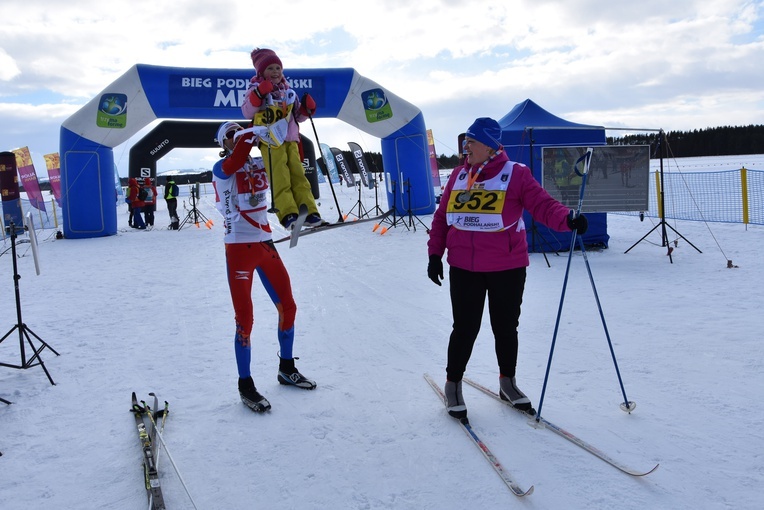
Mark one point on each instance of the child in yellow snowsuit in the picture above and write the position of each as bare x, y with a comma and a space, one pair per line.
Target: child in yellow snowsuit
268, 100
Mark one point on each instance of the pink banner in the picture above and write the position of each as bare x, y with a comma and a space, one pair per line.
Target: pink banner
433, 160
29, 178
54, 174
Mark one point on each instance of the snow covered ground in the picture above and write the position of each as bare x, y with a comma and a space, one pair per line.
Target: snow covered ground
149, 311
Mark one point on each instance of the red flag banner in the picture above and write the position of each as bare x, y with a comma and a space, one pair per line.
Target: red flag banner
53, 163
433, 160
29, 178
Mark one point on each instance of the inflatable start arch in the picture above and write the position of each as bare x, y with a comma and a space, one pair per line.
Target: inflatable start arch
147, 93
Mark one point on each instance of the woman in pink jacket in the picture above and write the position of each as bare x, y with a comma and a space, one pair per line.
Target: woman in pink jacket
480, 222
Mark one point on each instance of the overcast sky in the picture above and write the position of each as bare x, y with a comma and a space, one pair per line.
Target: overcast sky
679, 65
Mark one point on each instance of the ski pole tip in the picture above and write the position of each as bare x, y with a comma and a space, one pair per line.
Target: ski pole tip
628, 406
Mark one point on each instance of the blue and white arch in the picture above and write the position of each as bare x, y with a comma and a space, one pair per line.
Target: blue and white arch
147, 93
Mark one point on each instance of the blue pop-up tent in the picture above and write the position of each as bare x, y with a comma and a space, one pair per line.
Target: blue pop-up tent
525, 130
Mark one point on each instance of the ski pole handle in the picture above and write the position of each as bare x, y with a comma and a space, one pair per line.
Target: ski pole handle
587, 159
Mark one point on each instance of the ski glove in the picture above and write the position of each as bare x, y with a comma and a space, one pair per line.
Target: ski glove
265, 88
435, 269
308, 105
578, 223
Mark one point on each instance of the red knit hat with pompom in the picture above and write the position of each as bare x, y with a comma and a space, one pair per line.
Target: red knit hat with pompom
262, 58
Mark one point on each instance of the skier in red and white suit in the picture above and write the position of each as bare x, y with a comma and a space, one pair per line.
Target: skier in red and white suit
241, 195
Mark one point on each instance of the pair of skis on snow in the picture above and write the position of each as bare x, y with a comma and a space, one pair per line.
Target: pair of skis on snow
150, 429
146, 419
543, 423
298, 230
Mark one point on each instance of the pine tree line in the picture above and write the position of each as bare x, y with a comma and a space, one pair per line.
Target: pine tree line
719, 141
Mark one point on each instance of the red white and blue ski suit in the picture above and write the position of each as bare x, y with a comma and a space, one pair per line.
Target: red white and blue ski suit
241, 196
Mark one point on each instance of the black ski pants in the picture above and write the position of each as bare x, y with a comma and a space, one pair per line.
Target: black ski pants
172, 208
468, 293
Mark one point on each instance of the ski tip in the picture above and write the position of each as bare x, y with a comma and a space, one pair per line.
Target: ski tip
528, 492
646, 472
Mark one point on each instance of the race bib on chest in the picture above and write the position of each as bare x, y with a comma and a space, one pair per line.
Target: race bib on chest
252, 186
480, 207
275, 110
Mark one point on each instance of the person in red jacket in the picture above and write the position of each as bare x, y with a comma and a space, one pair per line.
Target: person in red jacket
480, 222
150, 202
136, 203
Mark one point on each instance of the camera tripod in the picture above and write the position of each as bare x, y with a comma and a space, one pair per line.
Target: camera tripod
413, 219
195, 214
662, 208
23, 329
362, 212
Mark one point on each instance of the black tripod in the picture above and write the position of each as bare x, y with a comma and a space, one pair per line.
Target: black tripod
662, 207
535, 232
409, 212
22, 328
362, 212
194, 213
376, 209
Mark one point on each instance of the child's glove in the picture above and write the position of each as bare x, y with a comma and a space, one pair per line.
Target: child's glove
308, 105
265, 88
255, 95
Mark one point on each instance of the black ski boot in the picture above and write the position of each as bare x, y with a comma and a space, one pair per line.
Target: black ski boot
289, 375
251, 397
508, 390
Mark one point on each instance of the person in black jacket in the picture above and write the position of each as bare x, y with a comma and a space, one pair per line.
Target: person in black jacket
171, 197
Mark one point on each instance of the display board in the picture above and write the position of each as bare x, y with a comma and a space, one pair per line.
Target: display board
618, 179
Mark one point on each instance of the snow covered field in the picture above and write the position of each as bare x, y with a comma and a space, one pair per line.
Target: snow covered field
149, 311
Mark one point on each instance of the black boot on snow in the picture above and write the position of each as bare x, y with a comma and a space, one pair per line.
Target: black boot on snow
289, 375
251, 397
508, 390
454, 400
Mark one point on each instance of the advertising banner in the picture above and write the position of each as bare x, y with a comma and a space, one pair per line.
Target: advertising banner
29, 178
9, 191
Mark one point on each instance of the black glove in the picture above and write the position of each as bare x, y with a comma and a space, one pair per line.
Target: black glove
578, 223
435, 269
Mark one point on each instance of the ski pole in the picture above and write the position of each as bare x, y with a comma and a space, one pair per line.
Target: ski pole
328, 177
172, 461
164, 413
270, 177
626, 406
586, 158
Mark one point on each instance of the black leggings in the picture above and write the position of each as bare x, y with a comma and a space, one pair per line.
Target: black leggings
505, 295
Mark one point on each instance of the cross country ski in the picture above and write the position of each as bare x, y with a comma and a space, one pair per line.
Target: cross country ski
489, 456
563, 433
295, 235
149, 447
